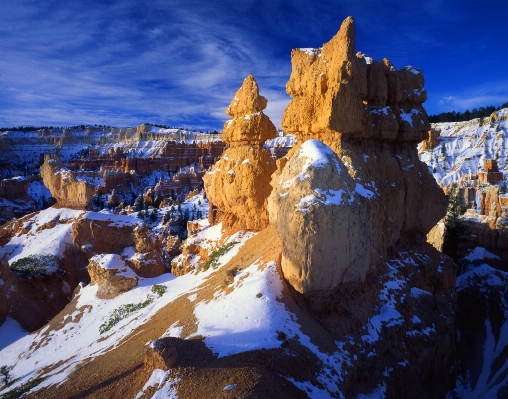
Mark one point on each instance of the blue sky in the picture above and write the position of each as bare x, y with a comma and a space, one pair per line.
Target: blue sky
179, 63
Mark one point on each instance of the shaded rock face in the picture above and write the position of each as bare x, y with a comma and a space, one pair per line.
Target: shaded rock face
63, 185
316, 194
368, 119
160, 354
111, 274
239, 183
32, 301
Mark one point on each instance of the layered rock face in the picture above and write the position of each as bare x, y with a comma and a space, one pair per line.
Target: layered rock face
239, 183
335, 90
95, 234
68, 191
343, 200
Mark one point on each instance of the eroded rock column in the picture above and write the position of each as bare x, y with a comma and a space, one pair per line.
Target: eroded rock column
239, 183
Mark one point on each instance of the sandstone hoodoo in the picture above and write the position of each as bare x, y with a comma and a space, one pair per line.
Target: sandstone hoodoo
68, 191
340, 203
239, 183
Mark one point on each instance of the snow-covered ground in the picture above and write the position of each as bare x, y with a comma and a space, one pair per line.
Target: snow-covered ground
250, 315
10, 332
47, 233
485, 283
464, 146
83, 328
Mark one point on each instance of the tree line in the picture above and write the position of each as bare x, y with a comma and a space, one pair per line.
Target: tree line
34, 128
467, 115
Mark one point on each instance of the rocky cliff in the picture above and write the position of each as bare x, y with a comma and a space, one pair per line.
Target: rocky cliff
68, 191
357, 188
239, 183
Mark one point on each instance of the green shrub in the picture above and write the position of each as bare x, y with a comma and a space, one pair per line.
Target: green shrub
19, 391
5, 374
126, 310
34, 265
215, 255
159, 289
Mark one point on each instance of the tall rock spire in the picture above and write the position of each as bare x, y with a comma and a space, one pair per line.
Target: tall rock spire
239, 183
248, 123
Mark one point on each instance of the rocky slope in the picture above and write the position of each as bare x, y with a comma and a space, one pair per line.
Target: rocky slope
461, 147
45, 256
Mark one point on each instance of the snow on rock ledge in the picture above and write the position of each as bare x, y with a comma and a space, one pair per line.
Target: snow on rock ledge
111, 274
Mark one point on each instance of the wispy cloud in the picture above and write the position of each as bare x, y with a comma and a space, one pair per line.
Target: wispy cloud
491, 93
180, 62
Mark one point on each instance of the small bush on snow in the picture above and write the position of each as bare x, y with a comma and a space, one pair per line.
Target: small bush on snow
34, 265
5, 374
19, 391
159, 289
126, 310
215, 255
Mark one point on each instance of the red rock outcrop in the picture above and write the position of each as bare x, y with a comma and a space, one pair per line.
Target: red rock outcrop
63, 185
32, 301
111, 274
97, 234
239, 183
431, 141
491, 173
15, 188
363, 171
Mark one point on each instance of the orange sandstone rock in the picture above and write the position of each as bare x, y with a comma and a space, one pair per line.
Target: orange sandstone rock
63, 185
111, 274
239, 183
337, 91
248, 125
340, 204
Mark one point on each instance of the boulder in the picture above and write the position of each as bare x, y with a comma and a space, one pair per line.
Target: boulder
111, 274
160, 354
330, 224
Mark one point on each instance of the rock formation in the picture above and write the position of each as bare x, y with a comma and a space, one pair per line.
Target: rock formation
160, 354
323, 215
337, 91
341, 202
111, 274
239, 182
68, 191
96, 234
432, 139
